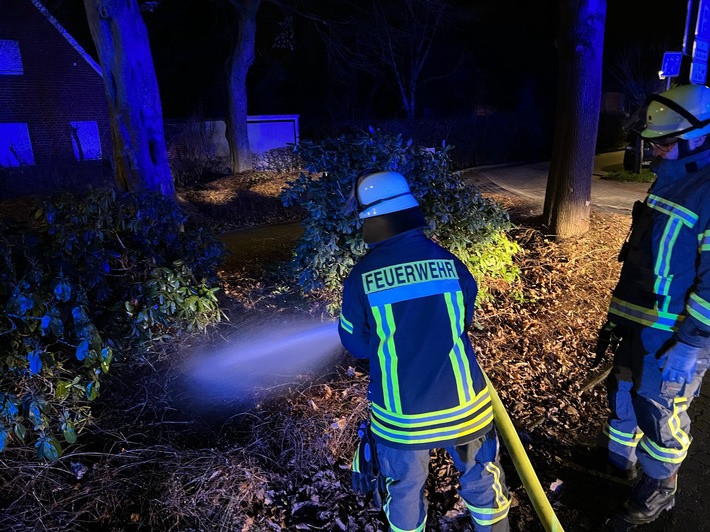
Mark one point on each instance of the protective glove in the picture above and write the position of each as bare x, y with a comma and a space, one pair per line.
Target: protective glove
366, 477
678, 363
608, 340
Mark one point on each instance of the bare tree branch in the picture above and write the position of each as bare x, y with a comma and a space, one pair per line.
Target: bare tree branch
389, 39
636, 70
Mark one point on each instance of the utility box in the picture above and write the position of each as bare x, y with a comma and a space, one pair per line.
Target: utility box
267, 132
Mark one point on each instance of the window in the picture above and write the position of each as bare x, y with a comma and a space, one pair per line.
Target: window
86, 141
15, 145
10, 59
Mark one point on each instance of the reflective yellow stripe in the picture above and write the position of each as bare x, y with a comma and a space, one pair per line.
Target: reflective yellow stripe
488, 516
345, 324
663, 454
435, 417
666, 454
501, 500
673, 209
386, 508
663, 261
495, 515
457, 355
679, 405
356, 460
650, 317
698, 308
486, 411
387, 355
392, 349
622, 438
704, 241
450, 432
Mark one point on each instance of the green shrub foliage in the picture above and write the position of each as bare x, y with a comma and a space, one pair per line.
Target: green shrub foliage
473, 227
281, 160
92, 279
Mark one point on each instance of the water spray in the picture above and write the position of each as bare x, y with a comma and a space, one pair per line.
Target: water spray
263, 358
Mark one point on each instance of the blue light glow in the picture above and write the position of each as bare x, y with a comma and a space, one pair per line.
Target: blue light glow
85, 140
10, 58
15, 145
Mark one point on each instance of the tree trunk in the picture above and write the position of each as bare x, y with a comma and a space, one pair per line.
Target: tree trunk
140, 158
580, 48
239, 63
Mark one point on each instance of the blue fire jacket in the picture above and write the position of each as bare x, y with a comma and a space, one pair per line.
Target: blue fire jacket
406, 306
665, 280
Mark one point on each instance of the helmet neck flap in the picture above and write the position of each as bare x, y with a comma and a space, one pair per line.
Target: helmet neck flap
379, 228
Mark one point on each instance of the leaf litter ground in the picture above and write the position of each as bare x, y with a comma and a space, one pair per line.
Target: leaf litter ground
278, 457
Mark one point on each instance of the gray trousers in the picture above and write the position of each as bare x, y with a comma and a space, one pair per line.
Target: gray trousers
647, 424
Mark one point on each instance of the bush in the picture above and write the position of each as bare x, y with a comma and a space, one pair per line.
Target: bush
192, 152
281, 160
471, 226
93, 279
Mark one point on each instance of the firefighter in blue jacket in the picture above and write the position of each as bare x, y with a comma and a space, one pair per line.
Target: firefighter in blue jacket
660, 308
406, 308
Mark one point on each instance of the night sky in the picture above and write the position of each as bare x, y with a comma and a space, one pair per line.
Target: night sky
505, 49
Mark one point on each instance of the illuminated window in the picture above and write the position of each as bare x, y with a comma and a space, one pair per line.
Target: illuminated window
86, 141
10, 59
15, 145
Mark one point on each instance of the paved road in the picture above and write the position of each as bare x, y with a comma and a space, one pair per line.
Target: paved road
530, 181
596, 496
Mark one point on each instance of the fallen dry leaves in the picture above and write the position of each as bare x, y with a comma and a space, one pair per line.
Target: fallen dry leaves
538, 351
282, 461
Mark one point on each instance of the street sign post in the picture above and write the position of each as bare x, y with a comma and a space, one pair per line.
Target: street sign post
670, 68
701, 46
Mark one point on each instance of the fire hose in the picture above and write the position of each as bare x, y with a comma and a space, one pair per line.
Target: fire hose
522, 464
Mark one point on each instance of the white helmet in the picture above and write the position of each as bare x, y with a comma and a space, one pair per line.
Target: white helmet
682, 112
386, 205
383, 192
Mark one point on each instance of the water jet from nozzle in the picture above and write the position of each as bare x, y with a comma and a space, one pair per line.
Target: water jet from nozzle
264, 358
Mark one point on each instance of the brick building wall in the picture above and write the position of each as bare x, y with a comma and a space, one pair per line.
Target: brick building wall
57, 87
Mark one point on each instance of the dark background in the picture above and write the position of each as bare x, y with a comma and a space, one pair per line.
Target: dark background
506, 46
498, 58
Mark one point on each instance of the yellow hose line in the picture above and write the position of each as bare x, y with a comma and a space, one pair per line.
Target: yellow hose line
510, 438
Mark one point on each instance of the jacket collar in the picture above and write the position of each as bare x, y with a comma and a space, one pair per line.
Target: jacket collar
672, 170
412, 233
